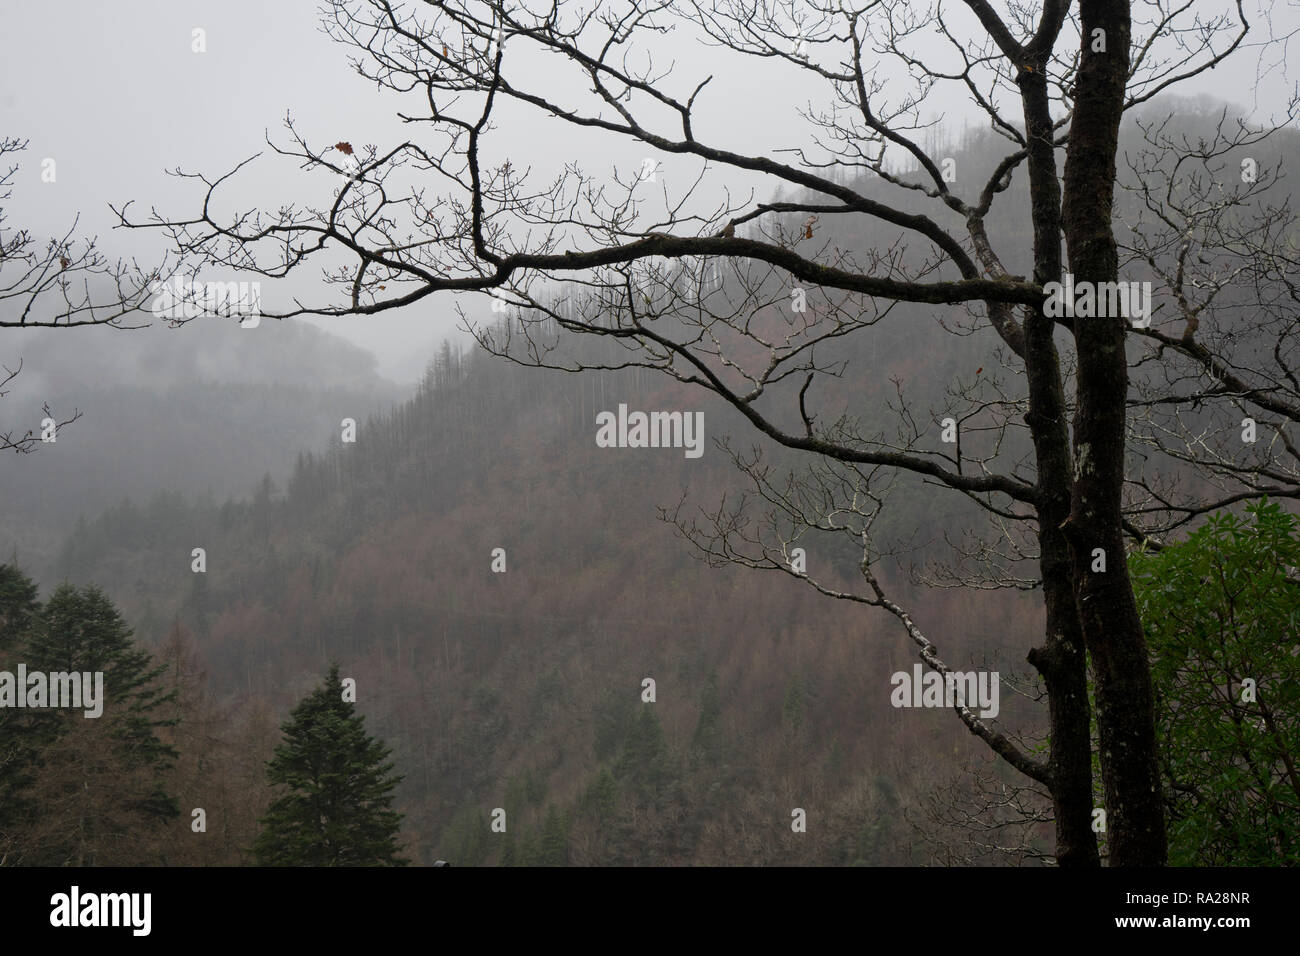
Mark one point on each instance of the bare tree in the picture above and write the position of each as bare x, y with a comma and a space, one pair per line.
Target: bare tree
63, 282
1215, 384
1050, 468
27, 442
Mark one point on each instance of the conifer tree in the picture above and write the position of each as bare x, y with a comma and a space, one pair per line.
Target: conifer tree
82, 791
554, 847
84, 631
336, 804
18, 605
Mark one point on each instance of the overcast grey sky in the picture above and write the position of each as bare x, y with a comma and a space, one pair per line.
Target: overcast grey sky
114, 93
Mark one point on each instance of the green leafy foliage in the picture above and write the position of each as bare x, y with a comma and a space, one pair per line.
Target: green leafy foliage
1220, 611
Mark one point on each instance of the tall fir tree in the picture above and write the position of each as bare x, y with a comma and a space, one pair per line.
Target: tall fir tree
83, 631
83, 791
336, 808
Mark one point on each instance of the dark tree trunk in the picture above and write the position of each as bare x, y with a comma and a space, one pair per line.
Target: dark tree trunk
1107, 610
1061, 659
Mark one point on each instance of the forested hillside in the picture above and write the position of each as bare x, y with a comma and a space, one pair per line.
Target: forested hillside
249, 399
507, 690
